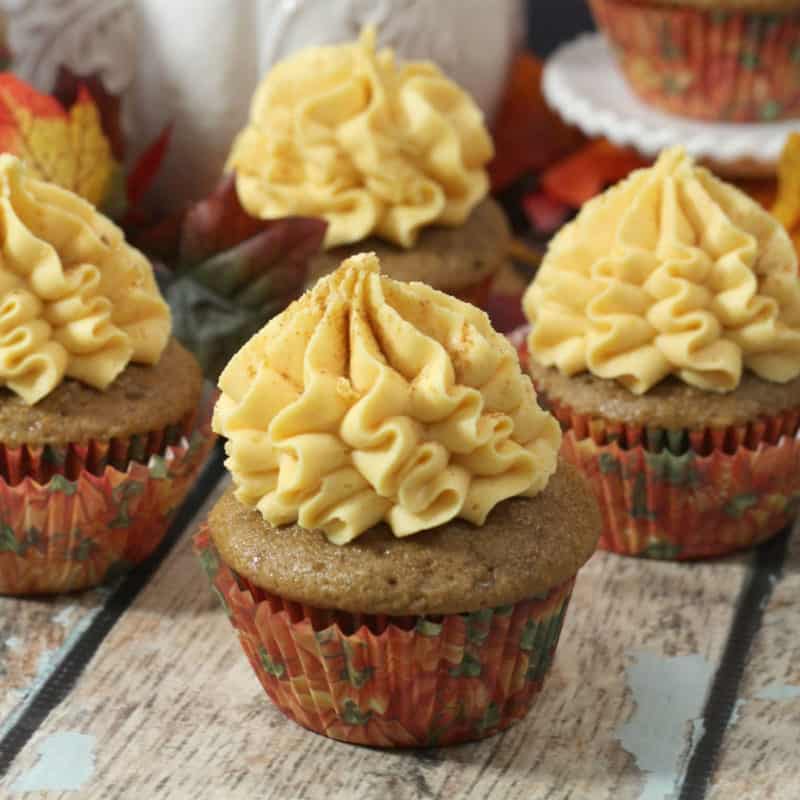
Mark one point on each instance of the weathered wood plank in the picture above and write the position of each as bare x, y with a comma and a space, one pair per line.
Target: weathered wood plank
34, 634
168, 707
759, 757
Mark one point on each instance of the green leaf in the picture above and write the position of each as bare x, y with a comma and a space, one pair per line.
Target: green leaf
58, 483
639, 509
158, 467
469, 667
609, 464
491, 719
736, 506
357, 678
128, 489
478, 625
352, 714
672, 469
209, 560
770, 110
83, 550
8, 542
274, 668
749, 59
425, 627
528, 638
504, 611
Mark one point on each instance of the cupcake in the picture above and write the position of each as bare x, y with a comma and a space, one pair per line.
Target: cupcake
666, 339
718, 60
392, 155
99, 429
402, 541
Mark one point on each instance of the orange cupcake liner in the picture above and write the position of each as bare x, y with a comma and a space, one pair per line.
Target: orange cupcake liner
74, 522
93, 456
712, 64
686, 494
392, 681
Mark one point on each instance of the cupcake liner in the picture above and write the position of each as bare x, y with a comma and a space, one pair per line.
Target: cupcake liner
392, 681
93, 456
86, 525
711, 64
687, 494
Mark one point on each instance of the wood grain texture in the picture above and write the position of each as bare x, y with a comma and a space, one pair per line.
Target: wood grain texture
33, 636
172, 709
759, 757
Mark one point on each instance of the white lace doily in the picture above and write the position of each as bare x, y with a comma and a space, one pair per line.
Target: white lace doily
583, 83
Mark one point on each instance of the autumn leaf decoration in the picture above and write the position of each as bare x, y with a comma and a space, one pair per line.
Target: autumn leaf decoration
787, 201
64, 145
234, 272
73, 137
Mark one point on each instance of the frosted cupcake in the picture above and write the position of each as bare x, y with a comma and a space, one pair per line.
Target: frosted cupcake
718, 60
99, 430
402, 541
392, 155
666, 338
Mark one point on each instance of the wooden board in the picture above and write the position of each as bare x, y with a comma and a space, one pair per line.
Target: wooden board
761, 752
169, 708
34, 635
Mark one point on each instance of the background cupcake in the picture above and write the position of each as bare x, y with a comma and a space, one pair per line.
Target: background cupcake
392, 155
666, 338
99, 435
725, 60
400, 549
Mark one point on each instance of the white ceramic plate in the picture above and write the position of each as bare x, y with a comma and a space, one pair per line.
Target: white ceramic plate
583, 83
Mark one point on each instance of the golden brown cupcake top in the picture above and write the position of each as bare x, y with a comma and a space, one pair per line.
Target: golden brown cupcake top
672, 404
526, 547
373, 400
76, 300
671, 272
449, 259
133, 403
372, 145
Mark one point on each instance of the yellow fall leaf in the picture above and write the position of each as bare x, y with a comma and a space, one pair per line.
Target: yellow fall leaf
68, 148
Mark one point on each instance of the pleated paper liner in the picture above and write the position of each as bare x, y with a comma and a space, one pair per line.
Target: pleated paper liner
392, 681
686, 494
93, 456
714, 64
89, 520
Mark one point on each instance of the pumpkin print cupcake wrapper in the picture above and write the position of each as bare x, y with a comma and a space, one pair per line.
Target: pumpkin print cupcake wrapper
715, 64
93, 456
685, 494
71, 533
392, 681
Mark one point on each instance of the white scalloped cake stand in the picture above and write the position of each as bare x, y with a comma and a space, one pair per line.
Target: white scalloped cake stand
583, 83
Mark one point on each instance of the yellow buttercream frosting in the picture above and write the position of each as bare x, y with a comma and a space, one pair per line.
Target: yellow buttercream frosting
671, 272
373, 400
372, 145
75, 299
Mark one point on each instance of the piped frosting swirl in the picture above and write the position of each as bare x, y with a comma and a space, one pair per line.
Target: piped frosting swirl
374, 146
671, 272
373, 400
75, 299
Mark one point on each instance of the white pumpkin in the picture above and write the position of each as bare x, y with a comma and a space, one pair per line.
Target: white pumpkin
196, 64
